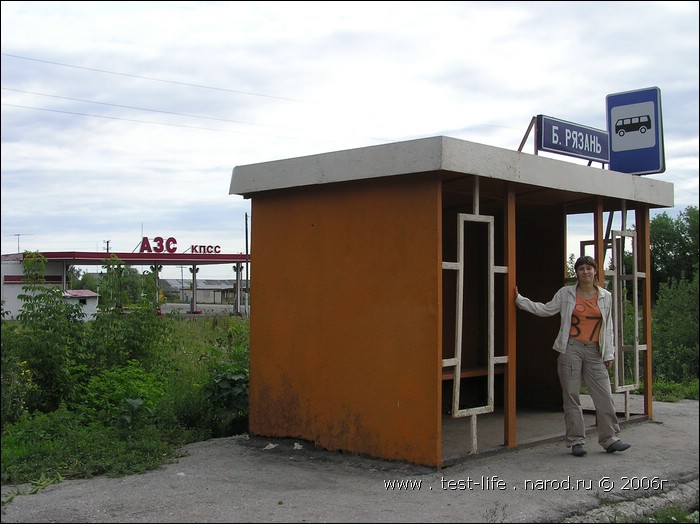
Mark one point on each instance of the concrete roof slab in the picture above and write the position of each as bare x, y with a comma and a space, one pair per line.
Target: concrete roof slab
450, 155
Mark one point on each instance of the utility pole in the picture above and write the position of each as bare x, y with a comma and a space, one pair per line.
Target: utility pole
107, 242
238, 269
18, 235
182, 284
247, 268
194, 270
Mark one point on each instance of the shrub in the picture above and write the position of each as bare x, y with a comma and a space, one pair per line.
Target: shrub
675, 331
62, 444
19, 390
124, 397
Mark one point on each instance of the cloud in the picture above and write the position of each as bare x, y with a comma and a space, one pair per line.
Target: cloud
126, 117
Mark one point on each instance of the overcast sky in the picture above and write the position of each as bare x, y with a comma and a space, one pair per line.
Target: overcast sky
125, 119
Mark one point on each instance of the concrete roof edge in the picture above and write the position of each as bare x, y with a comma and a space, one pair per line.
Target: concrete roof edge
410, 156
449, 154
479, 159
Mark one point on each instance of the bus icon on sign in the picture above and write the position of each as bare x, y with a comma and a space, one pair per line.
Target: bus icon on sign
629, 125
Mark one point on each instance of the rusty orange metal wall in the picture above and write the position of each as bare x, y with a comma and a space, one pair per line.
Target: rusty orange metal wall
345, 316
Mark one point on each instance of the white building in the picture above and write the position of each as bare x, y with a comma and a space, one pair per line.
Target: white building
86, 298
11, 281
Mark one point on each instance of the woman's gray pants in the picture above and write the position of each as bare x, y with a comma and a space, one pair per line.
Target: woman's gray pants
583, 361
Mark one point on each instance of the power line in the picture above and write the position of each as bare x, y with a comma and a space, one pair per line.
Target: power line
158, 123
166, 124
119, 118
138, 108
199, 86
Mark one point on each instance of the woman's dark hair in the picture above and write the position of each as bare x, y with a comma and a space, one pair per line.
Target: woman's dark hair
589, 261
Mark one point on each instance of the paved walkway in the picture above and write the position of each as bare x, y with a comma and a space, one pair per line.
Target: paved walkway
242, 479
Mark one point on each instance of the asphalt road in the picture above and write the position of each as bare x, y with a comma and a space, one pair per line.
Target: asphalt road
242, 479
203, 309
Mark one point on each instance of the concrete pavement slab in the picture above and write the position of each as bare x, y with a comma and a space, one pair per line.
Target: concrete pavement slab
242, 479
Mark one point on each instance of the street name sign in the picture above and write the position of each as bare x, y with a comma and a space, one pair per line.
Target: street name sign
567, 138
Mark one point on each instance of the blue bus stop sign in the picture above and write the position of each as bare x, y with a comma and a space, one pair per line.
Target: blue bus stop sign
635, 131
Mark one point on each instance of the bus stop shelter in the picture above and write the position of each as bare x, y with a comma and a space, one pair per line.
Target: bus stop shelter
382, 299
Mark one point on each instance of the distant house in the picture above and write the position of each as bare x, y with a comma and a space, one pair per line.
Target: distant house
12, 283
85, 298
209, 291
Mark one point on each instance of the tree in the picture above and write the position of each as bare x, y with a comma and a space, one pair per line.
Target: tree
675, 330
120, 285
51, 328
570, 271
89, 281
674, 248
674, 261
73, 277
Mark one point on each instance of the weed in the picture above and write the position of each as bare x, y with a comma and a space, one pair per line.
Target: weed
35, 486
497, 513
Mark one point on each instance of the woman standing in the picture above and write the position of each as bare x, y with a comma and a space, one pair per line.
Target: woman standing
586, 346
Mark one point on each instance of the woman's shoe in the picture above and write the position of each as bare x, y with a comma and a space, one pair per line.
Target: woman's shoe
577, 450
618, 445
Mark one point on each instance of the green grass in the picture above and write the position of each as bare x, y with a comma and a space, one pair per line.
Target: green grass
80, 441
673, 392
671, 514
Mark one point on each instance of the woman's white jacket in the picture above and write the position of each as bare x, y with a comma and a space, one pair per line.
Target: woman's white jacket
563, 303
